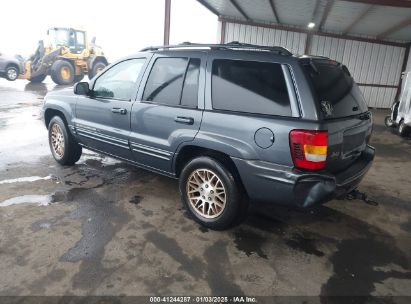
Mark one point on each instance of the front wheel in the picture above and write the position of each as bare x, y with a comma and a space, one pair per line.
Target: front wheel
210, 193
12, 73
66, 151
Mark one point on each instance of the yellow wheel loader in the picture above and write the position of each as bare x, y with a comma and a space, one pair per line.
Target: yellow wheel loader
66, 58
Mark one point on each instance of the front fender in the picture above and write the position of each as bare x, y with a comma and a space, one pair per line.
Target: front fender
62, 104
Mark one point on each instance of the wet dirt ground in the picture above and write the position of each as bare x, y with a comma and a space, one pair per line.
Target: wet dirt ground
104, 227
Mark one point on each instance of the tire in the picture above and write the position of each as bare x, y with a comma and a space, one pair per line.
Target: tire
66, 151
218, 215
96, 69
38, 79
403, 129
62, 72
388, 122
12, 73
78, 78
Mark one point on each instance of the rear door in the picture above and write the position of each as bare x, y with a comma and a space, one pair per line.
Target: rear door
168, 111
103, 119
343, 110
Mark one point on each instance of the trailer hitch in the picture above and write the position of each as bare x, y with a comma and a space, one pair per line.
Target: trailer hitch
358, 195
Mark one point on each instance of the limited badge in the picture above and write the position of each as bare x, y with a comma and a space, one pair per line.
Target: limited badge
327, 108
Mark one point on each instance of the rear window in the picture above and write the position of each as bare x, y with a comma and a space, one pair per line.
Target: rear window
334, 89
249, 86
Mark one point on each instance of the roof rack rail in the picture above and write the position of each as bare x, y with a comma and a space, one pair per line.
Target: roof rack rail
231, 45
308, 56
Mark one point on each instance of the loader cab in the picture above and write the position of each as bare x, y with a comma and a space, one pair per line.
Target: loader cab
74, 39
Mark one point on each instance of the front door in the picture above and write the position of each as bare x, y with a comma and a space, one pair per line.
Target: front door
169, 109
103, 118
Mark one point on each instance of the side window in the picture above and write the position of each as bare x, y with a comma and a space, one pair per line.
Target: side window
119, 81
80, 40
250, 86
166, 79
189, 97
72, 40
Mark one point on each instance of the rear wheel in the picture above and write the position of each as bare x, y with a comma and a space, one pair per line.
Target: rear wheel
210, 193
66, 151
96, 69
12, 73
403, 129
38, 79
62, 72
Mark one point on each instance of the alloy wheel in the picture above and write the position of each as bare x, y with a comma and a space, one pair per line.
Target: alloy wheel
12, 74
206, 193
57, 140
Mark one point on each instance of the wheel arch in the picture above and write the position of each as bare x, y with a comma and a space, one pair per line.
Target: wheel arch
188, 152
100, 59
12, 64
93, 60
55, 107
50, 113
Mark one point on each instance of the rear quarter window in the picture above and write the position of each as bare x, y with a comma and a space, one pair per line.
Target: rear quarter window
249, 86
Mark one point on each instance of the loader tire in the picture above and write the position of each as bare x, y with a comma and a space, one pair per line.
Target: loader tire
38, 79
96, 69
62, 72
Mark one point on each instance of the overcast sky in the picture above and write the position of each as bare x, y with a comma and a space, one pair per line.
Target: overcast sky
122, 27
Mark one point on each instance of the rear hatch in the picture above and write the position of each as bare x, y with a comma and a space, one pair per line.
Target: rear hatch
343, 111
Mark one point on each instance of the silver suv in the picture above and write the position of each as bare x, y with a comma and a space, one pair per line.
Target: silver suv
11, 66
235, 123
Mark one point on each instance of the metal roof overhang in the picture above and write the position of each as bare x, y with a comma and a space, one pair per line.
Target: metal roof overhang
378, 21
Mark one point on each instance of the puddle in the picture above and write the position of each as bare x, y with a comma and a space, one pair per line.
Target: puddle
136, 200
250, 242
308, 245
104, 160
24, 179
40, 200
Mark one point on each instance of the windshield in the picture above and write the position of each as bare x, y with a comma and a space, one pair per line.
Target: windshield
334, 89
58, 36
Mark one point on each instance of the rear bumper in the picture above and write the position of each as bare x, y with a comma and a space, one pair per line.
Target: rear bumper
268, 182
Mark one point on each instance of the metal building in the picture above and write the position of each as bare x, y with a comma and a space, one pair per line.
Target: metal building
371, 37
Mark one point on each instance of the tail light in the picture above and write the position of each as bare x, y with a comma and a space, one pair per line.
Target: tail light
309, 149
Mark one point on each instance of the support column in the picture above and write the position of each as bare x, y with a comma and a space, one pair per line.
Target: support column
403, 68
308, 43
222, 37
167, 22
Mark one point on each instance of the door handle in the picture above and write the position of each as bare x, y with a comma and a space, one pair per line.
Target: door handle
184, 120
119, 111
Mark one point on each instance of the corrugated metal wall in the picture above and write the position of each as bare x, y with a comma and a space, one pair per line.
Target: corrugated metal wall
369, 63
295, 42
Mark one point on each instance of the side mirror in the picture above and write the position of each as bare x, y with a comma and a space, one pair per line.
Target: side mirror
81, 88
